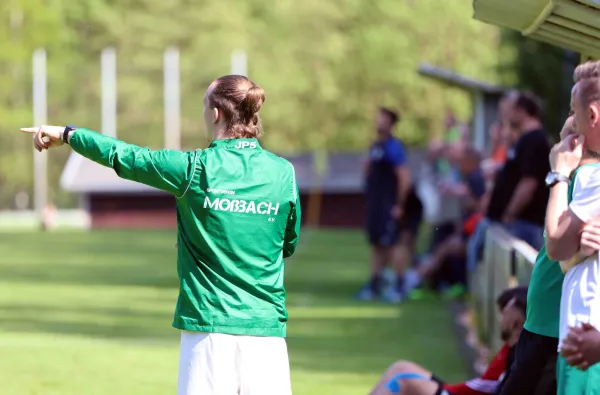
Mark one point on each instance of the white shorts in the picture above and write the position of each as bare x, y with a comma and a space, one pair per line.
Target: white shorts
218, 364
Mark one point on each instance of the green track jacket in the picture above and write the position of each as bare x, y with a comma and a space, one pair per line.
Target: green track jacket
238, 216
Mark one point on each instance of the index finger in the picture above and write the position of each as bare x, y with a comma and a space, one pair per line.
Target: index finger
30, 130
568, 349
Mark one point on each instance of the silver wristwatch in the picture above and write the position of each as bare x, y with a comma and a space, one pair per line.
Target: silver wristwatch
554, 178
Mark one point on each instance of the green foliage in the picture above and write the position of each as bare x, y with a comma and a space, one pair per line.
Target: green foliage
543, 69
325, 65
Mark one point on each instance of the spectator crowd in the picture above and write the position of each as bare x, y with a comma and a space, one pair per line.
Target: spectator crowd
506, 187
546, 196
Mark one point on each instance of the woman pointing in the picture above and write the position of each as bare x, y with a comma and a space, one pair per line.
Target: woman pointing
238, 216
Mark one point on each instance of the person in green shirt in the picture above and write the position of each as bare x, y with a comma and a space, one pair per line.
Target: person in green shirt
534, 368
238, 217
567, 225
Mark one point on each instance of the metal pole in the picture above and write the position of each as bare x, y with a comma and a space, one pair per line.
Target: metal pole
40, 111
172, 99
109, 92
239, 63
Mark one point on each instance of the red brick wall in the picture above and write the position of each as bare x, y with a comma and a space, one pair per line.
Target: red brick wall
338, 210
158, 211
133, 211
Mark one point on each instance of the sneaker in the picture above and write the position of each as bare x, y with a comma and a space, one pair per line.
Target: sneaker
454, 292
411, 280
366, 293
417, 294
393, 295
388, 277
423, 294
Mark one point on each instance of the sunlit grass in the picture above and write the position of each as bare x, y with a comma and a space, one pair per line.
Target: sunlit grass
90, 313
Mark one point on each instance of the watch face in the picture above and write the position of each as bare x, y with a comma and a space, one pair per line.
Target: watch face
550, 178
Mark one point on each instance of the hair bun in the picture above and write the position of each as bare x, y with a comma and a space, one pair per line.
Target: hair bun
253, 100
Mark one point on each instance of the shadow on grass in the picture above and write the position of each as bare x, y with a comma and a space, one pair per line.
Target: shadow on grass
101, 322
110, 274
99, 258
150, 264
340, 344
129, 268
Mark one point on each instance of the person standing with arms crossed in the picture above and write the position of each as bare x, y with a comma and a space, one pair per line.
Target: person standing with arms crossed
393, 210
567, 226
238, 217
535, 360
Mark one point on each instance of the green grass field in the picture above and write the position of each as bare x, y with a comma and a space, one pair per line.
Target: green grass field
90, 313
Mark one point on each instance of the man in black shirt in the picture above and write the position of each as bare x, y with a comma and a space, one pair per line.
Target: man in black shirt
519, 196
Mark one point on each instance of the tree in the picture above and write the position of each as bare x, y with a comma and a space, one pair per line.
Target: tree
543, 69
326, 67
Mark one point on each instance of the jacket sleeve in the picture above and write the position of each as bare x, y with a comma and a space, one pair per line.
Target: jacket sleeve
292, 230
167, 170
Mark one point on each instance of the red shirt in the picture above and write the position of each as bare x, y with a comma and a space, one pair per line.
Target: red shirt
500, 153
488, 382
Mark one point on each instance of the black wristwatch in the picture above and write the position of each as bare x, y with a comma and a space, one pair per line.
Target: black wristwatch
554, 178
68, 129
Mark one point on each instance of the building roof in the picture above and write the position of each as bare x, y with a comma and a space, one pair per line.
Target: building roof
570, 24
450, 78
343, 175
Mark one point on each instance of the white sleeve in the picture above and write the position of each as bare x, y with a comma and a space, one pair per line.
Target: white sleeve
586, 194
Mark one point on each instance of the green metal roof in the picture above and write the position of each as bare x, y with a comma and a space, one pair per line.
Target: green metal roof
457, 80
570, 24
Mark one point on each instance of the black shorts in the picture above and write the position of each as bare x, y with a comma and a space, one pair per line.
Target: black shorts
411, 222
534, 370
440, 390
383, 230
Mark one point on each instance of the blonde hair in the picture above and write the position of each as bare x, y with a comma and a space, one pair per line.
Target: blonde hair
586, 71
587, 76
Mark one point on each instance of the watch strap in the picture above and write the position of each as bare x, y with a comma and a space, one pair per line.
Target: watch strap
68, 129
557, 177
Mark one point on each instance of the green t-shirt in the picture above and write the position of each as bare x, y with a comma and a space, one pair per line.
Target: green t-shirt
453, 134
545, 289
238, 216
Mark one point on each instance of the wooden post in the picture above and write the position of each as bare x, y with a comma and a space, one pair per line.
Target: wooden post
315, 196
